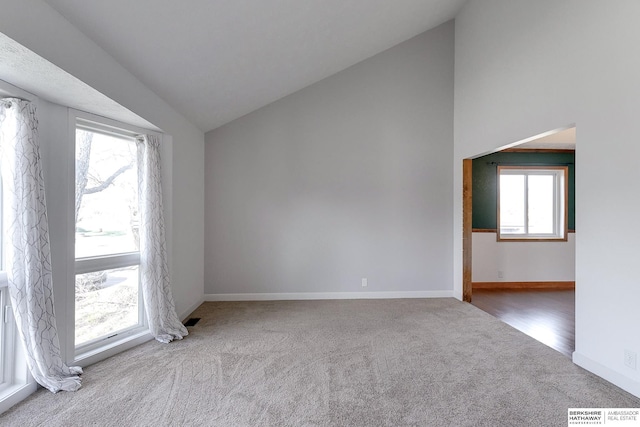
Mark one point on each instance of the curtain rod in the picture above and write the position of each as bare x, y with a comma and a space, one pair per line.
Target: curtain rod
6, 100
527, 164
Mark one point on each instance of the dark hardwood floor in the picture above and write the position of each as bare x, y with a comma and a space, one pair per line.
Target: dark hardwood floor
546, 315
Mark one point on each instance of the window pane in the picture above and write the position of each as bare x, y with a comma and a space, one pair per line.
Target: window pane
541, 204
5, 359
512, 215
106, 302
106, 195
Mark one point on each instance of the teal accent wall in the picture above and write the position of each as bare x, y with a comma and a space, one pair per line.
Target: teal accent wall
485, 182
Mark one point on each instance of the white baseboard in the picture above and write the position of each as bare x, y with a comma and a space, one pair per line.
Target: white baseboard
608, 374
186, 313
327, 295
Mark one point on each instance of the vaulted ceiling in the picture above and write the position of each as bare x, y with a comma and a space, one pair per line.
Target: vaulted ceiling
217, 60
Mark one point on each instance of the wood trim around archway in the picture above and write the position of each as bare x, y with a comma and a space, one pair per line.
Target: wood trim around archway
467, 227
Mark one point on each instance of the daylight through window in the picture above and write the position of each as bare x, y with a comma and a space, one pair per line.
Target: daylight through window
532, 203
107, 285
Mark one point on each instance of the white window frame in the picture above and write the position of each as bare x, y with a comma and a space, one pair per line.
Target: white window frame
560, 176
16, 382
7, 325
100, 348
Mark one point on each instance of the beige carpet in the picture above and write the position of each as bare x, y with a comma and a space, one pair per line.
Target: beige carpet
436, 362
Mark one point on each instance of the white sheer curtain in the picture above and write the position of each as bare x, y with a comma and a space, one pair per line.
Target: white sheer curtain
26, 245
154, 272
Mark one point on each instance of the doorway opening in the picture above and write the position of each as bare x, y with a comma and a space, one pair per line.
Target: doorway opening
519, 255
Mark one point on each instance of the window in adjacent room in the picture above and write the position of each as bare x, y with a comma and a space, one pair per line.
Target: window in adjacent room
532, 203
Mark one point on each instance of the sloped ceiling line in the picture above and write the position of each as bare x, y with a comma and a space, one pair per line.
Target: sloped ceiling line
215, 61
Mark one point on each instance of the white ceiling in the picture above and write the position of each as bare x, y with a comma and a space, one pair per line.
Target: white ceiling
563, 140
217, 60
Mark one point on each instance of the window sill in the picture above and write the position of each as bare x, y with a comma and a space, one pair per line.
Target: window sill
495, 230
14, 394
94, 355
532, 239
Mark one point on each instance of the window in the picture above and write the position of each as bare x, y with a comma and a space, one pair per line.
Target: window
11, 373
532, 203
15, 380
7, 327
108, 300
7, 330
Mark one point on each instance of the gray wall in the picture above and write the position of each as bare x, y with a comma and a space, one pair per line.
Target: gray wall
348, 178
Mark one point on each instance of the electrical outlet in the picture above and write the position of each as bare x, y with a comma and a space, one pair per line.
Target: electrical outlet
630, 359
364, 282
500, 274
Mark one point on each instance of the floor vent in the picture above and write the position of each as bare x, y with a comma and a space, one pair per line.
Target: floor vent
192, 321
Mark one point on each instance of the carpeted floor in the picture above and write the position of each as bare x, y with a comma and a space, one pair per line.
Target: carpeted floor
429, 362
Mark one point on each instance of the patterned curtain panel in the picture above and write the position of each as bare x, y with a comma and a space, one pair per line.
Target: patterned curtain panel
27, 254
163, 321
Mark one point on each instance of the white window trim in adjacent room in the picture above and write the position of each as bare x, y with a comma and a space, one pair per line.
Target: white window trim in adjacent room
16, 383
560, 176
100, 348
